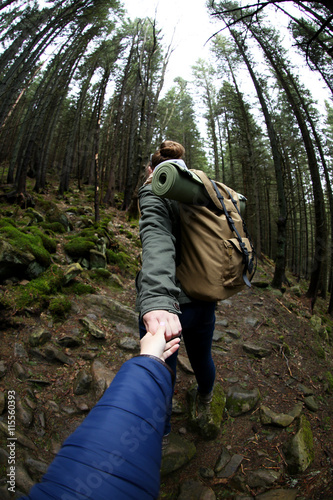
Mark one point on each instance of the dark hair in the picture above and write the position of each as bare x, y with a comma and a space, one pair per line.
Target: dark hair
169, 150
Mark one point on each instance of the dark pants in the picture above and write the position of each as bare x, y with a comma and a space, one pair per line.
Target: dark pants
198, 322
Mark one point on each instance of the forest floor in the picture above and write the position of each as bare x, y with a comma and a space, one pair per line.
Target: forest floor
299, 357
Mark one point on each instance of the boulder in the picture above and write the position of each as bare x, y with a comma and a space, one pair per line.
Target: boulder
299, 449
241, 400
13, 262
177, 453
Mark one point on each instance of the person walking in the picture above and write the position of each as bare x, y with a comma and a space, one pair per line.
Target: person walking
160, 297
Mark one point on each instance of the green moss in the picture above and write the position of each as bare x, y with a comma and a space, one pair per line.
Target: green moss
79, 246
36, 293
99, 274
329, 379
55, 227
307, 437
118, 258
78, 288
49, 243
24, 241
319, 351
59, 307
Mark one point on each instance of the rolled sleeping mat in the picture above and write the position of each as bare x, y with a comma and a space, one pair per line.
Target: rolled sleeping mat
171, 180
177, 183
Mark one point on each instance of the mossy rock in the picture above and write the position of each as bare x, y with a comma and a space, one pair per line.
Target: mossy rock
36, 294
206, 419
79, 288
54, 227
79, 247
59, 307
299, 450
49, 243
25, 241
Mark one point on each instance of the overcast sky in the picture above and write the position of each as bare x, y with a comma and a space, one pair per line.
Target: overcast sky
193, 27
191, 23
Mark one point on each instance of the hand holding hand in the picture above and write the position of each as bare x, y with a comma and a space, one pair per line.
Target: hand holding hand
153, 319
156, 345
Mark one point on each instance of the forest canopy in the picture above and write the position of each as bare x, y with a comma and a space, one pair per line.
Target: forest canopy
81, 104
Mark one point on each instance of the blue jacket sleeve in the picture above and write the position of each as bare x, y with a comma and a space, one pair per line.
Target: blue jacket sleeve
116, 452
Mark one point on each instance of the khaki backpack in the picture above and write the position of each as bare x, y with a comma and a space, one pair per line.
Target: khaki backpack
217, 255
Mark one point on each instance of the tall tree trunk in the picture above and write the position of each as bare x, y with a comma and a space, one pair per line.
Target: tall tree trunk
279, 274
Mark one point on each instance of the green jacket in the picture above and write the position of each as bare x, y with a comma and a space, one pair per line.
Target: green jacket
156, 283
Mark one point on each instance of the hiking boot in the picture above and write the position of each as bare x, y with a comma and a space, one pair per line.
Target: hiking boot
205, 399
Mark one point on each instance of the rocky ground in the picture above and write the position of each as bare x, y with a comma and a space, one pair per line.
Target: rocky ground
266, 344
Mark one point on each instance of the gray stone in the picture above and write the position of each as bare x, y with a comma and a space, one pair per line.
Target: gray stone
233, 379
54, 407
19, 351
22, 479
178, 453
311, 403
296, 411
71, 272
231, 467
206, 419
185, 364
296, 290
34, 270
102, 378
23, 440
222, 460
263, 478
222, 322
241, 400
269, 417
252, 321
2, 402
19, 371
41, 419
53, 354
82, 383
3, 457
129, 343
69, 341
177, 407
93, 329
39, 337
3, 369
195, 490
35, 467
299, 449
257, 350
111, 310
235, 334
34, 215
315, 322
24, 415
305, 390
206, 472
217, 336
97, 259
12, 260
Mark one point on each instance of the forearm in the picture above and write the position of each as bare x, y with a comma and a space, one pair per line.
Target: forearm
157, 288
116, 451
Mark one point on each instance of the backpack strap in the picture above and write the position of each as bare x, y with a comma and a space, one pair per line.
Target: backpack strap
244, 250
253, 260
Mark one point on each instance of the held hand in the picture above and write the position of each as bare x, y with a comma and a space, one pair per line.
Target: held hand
156, 344
153, 319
